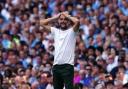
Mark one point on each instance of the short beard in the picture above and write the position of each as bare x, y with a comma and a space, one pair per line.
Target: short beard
57, 25
63, 28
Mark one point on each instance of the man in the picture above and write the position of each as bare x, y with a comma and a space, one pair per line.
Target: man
64, 42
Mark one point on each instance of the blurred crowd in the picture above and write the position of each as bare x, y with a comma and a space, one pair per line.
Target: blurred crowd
27, 50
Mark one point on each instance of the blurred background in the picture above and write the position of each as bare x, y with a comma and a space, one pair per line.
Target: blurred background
27, 50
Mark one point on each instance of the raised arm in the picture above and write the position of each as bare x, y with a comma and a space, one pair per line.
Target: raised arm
44, 22
75, 21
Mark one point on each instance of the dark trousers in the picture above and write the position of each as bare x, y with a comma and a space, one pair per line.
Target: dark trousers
63, 76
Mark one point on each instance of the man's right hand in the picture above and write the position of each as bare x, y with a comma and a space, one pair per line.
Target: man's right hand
56, 16
65, 14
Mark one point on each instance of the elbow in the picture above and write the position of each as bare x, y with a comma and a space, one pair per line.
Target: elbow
77, 22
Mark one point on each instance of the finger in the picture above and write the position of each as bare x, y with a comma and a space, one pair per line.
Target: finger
65, 13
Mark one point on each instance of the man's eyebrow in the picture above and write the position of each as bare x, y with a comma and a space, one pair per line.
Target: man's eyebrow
62, 18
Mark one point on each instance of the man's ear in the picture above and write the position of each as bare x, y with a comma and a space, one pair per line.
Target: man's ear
70, 22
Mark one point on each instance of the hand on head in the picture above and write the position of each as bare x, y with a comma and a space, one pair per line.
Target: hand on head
65, 13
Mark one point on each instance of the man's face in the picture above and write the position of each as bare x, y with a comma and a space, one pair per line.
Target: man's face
63, 22
88, 69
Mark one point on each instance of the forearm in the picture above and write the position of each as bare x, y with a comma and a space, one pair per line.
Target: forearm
46, 21
73, 19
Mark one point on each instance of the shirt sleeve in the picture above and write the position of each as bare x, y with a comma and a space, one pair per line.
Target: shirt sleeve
52, 30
